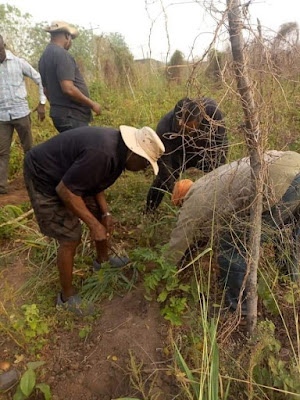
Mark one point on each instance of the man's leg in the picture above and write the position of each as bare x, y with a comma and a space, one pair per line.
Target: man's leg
6, 132
282, 223
233, 267
23, 127
65, 262
286, 252
103, 247
59, 223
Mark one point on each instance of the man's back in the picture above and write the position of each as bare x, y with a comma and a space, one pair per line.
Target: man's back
87, 159
57, 65
221, 199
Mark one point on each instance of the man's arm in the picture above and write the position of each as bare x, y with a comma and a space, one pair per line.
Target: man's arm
72, 91
46, 93
77, 206
31, 73
106, 216
163, 182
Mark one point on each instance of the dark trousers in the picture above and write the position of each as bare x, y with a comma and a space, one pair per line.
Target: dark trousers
281, 226
65, 124
23, 128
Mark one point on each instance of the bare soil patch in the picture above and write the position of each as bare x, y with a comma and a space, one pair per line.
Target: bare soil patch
17, 193
122, 355
127, 342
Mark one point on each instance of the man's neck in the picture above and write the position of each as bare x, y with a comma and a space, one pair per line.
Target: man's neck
58, 43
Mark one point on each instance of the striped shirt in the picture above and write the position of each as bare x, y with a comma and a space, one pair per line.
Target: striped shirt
13, 102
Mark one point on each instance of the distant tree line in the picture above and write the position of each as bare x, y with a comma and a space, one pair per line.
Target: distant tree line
279, 53
106, 58
102, 57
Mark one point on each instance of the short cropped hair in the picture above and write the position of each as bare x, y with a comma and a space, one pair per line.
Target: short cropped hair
188, 110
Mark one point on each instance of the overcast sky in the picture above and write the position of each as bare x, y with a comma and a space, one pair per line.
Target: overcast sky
190, 28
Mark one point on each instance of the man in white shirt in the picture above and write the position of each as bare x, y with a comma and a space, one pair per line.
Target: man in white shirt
14, 109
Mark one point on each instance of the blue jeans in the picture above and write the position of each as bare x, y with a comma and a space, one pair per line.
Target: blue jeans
281, 224
65, 124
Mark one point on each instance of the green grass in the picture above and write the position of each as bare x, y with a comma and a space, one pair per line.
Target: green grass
211, 360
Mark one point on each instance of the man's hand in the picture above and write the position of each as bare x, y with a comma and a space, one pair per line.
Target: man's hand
96, 108
41, 111
107, 221
99, 233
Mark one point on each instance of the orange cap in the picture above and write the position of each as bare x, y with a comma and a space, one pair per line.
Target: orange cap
180, 190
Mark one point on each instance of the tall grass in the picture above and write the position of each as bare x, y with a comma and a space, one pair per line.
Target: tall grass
206, 366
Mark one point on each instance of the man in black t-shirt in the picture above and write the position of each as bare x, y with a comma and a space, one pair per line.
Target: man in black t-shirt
64, 86
66, 177
194, 135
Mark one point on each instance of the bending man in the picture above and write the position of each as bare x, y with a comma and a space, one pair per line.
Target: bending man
216, 210
194, 135
66, 177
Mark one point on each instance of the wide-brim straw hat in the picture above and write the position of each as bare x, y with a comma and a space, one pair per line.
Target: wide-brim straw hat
62, 26
144, 142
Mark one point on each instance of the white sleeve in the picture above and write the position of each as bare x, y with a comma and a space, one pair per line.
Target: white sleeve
31, 73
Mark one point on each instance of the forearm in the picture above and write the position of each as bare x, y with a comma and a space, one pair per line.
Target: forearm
46, 93
101, 200
76, 205
78, 96
31, 73
42, 95
157, 191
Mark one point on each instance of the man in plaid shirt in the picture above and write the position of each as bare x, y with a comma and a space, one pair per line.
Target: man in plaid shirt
14, 110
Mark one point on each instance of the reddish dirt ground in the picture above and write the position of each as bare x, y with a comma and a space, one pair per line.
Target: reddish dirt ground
101, 367
17, 193
129, 331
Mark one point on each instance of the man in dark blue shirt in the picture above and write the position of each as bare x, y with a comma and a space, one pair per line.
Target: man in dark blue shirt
194, 135
66, 177
64, 86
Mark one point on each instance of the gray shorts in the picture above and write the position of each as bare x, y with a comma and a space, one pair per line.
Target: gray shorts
54, 219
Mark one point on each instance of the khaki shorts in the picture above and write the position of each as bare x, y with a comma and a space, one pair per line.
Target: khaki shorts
54, 219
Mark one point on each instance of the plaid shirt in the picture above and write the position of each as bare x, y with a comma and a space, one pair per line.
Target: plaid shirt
13, 103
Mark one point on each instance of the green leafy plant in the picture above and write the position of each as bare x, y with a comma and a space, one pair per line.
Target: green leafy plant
85, 331
267, 296
31, 325
266, 366
162, 278
174, 310
28, 383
